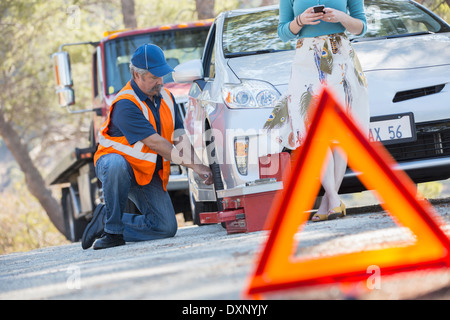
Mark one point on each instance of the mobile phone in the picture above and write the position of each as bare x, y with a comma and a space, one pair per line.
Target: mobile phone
318, 8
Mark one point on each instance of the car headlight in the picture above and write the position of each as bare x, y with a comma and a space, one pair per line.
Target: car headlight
250, 94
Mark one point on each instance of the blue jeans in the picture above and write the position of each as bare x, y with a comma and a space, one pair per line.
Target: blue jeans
157, 220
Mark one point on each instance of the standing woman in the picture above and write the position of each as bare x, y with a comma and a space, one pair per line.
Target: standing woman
324, 55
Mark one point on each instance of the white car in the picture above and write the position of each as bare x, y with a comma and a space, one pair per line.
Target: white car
245, 68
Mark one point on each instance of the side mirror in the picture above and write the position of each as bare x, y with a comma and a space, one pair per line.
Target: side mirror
188, 72
63, 76
66, 96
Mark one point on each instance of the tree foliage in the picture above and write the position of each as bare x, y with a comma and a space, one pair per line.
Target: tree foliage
441, 7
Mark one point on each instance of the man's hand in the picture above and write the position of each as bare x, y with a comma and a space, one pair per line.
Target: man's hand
204, 172
186, 157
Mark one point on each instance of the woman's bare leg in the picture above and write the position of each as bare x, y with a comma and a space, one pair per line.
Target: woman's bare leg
340, 166
331, 198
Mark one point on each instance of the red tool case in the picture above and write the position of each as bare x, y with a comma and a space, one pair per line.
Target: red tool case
246, 207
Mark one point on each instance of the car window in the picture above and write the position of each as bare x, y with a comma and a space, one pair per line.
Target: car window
256, 33
397, 18
252, 33
212, 64
209, 59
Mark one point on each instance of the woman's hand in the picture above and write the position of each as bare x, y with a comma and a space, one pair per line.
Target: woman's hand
352, 25
310, 17
333, 15
307, 17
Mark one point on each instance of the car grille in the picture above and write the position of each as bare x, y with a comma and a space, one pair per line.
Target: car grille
417, 93
433, 140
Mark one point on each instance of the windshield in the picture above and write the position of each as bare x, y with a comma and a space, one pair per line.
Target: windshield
179, 45
399, 18
257, 32
251, 33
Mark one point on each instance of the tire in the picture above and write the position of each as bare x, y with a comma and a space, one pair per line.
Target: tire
198, 207
74, 228
214, 166
208, 206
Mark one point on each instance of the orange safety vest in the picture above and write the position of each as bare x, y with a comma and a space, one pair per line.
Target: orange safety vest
141, 158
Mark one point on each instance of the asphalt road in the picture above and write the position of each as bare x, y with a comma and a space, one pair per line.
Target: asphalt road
207, 263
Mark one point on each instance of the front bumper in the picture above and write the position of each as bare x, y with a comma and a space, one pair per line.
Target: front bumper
418, 171
426, 159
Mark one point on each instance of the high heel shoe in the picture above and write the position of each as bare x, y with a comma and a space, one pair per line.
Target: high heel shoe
319, 217
336, 213
344, 210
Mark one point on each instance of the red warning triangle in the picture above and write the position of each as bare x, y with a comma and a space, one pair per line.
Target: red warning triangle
279, 269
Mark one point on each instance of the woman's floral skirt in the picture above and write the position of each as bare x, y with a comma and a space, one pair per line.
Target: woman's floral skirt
329, 60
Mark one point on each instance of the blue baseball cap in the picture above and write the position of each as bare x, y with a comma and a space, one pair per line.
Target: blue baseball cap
150, 57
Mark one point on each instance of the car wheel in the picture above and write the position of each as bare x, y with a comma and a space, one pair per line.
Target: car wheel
214, 165
198, 207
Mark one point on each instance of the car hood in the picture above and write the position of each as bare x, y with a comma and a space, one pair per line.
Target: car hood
271, 67
404, 53
383, 54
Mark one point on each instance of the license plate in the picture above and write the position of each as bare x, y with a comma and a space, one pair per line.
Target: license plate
394, 128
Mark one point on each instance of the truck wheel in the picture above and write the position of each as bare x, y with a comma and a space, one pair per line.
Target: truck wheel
73, 227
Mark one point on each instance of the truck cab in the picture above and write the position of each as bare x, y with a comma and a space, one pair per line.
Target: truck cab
81, 191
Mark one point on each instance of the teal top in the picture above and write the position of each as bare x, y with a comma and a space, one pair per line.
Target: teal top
289, 9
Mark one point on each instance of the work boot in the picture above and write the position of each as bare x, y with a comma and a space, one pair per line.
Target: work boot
109, 240
95, 228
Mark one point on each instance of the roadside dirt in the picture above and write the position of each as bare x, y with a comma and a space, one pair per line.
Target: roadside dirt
207, 263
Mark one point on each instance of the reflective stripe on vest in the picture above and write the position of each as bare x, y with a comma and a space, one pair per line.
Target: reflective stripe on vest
136, 150
165, 96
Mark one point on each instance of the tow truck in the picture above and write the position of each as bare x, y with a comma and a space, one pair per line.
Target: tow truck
81, 191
